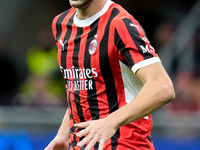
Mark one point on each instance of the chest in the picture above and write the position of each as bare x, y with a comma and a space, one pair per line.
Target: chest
87, 47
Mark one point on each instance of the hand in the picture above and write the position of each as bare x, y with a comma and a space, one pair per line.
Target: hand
58, 143
95, 131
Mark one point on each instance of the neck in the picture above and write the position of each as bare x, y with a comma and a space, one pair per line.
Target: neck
91, 9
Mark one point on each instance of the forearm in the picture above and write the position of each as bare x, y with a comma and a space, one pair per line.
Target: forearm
144, 104
156, 92
64, 127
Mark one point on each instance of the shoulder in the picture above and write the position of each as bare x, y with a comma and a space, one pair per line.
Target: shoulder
60, 17
120, 14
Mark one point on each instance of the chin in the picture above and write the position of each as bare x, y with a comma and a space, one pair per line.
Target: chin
80, 3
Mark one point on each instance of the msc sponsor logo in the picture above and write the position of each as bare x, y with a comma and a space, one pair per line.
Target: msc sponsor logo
145, 39
147, 49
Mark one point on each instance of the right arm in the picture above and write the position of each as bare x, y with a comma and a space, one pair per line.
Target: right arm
60, 142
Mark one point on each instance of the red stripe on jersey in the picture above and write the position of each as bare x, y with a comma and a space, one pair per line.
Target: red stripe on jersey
64, 30
69, 63
136, 134
100, 85
71, 123
115, 64
54, 30
127, 39
74, 110
107, 145
83, 93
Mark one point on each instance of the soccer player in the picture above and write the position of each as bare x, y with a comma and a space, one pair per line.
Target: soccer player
114, 79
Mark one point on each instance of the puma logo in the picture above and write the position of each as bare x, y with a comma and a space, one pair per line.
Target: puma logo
136, 26
63, 44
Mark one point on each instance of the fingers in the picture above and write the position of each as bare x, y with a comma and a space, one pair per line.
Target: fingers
92, 141
89, 138
101, 144
84, 128
94, 132
82, 133
82, 125
84, 141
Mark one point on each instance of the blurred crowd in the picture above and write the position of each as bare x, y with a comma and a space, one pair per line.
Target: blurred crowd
184, 69
187, 81
44, 86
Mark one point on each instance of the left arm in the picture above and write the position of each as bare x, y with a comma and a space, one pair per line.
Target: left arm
157, 91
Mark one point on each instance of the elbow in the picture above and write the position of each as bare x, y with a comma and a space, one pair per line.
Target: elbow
168, 93
171, 95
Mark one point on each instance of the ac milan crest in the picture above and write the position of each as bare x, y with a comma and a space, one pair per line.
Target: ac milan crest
93, 46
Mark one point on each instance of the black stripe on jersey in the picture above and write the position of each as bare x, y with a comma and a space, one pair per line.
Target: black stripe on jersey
58, 25
82, 148
122, 47
119, 43
91, 94
77, 41
73, 143
64, 53
63, 58
69, 31
67, 36
106, 69
80, 139
107, 74
136, 38
69, 104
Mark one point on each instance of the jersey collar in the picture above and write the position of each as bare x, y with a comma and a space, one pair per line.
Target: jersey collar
89, 21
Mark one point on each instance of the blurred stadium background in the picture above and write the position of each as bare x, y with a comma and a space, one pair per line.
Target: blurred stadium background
32, 99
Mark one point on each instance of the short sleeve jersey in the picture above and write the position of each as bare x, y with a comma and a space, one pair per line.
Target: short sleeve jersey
98, 58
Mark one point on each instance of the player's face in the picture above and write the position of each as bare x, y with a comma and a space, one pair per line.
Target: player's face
79, 3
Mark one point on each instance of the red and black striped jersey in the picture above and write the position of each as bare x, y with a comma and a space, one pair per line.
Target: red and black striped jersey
98, 58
